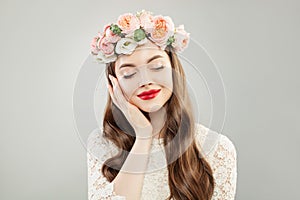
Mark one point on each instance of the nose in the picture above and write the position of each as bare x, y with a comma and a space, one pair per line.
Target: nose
145, 77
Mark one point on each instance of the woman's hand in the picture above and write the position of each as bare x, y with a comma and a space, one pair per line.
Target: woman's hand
143, 128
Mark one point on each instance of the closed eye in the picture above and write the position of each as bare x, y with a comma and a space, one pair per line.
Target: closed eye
155, 69
158, 68
129, 76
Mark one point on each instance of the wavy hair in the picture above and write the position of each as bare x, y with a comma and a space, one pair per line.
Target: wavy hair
190, 175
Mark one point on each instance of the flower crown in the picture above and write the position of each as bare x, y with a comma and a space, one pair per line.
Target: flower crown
133, 30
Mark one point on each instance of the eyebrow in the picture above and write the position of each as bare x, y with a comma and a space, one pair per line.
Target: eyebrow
132, 65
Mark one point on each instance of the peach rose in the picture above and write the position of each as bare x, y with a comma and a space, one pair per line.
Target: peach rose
106, 46
163, 29
146, 20
128, 23
181, 39
111, 37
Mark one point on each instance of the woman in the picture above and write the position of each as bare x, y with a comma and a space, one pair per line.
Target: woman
149, 109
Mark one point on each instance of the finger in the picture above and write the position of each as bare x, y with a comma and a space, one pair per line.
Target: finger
111, 93
118, 92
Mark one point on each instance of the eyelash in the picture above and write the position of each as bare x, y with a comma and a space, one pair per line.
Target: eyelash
155, 69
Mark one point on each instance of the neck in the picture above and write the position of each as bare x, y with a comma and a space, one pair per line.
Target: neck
158, 119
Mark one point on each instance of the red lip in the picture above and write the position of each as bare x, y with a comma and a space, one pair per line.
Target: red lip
148, 92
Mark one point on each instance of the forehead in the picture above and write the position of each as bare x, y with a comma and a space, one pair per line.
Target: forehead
141, 55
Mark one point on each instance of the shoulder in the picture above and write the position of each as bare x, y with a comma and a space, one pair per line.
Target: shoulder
221, 154
95, 138
98, 146
211, 142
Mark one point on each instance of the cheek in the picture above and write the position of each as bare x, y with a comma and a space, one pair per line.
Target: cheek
165, 78
128, 87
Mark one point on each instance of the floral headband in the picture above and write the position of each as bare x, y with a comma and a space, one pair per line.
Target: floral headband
133, 30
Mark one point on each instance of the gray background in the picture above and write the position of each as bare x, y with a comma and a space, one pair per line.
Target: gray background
44, 43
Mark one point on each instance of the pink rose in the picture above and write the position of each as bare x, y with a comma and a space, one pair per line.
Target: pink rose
106, 46
111, 37
128, 23
162, 30
181, 39
146, 21
93, 45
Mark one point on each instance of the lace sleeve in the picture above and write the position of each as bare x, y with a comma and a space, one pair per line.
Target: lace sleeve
99, 150
224, 165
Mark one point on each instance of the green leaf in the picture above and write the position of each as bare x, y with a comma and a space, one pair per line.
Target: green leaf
115, 29
139, 34
170, 40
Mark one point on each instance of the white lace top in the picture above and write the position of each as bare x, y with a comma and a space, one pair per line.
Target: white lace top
218, 149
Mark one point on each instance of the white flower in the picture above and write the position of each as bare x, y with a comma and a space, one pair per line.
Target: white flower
125, 46
102, 58
143, 41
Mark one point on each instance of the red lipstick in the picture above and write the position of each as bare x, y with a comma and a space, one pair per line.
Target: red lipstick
150, 94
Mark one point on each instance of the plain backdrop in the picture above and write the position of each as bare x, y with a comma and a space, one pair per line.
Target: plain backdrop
44, 43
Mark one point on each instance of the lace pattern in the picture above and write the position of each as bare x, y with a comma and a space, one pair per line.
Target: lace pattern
217, 149
223, 162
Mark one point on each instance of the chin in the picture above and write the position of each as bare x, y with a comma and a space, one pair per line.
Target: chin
151, 108
148, 106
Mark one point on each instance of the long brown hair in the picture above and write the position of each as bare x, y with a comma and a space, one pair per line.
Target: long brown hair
190, 175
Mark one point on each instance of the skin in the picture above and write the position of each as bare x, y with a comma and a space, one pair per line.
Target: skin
146, 76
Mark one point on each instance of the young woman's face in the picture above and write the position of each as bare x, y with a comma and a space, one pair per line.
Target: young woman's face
147, 68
